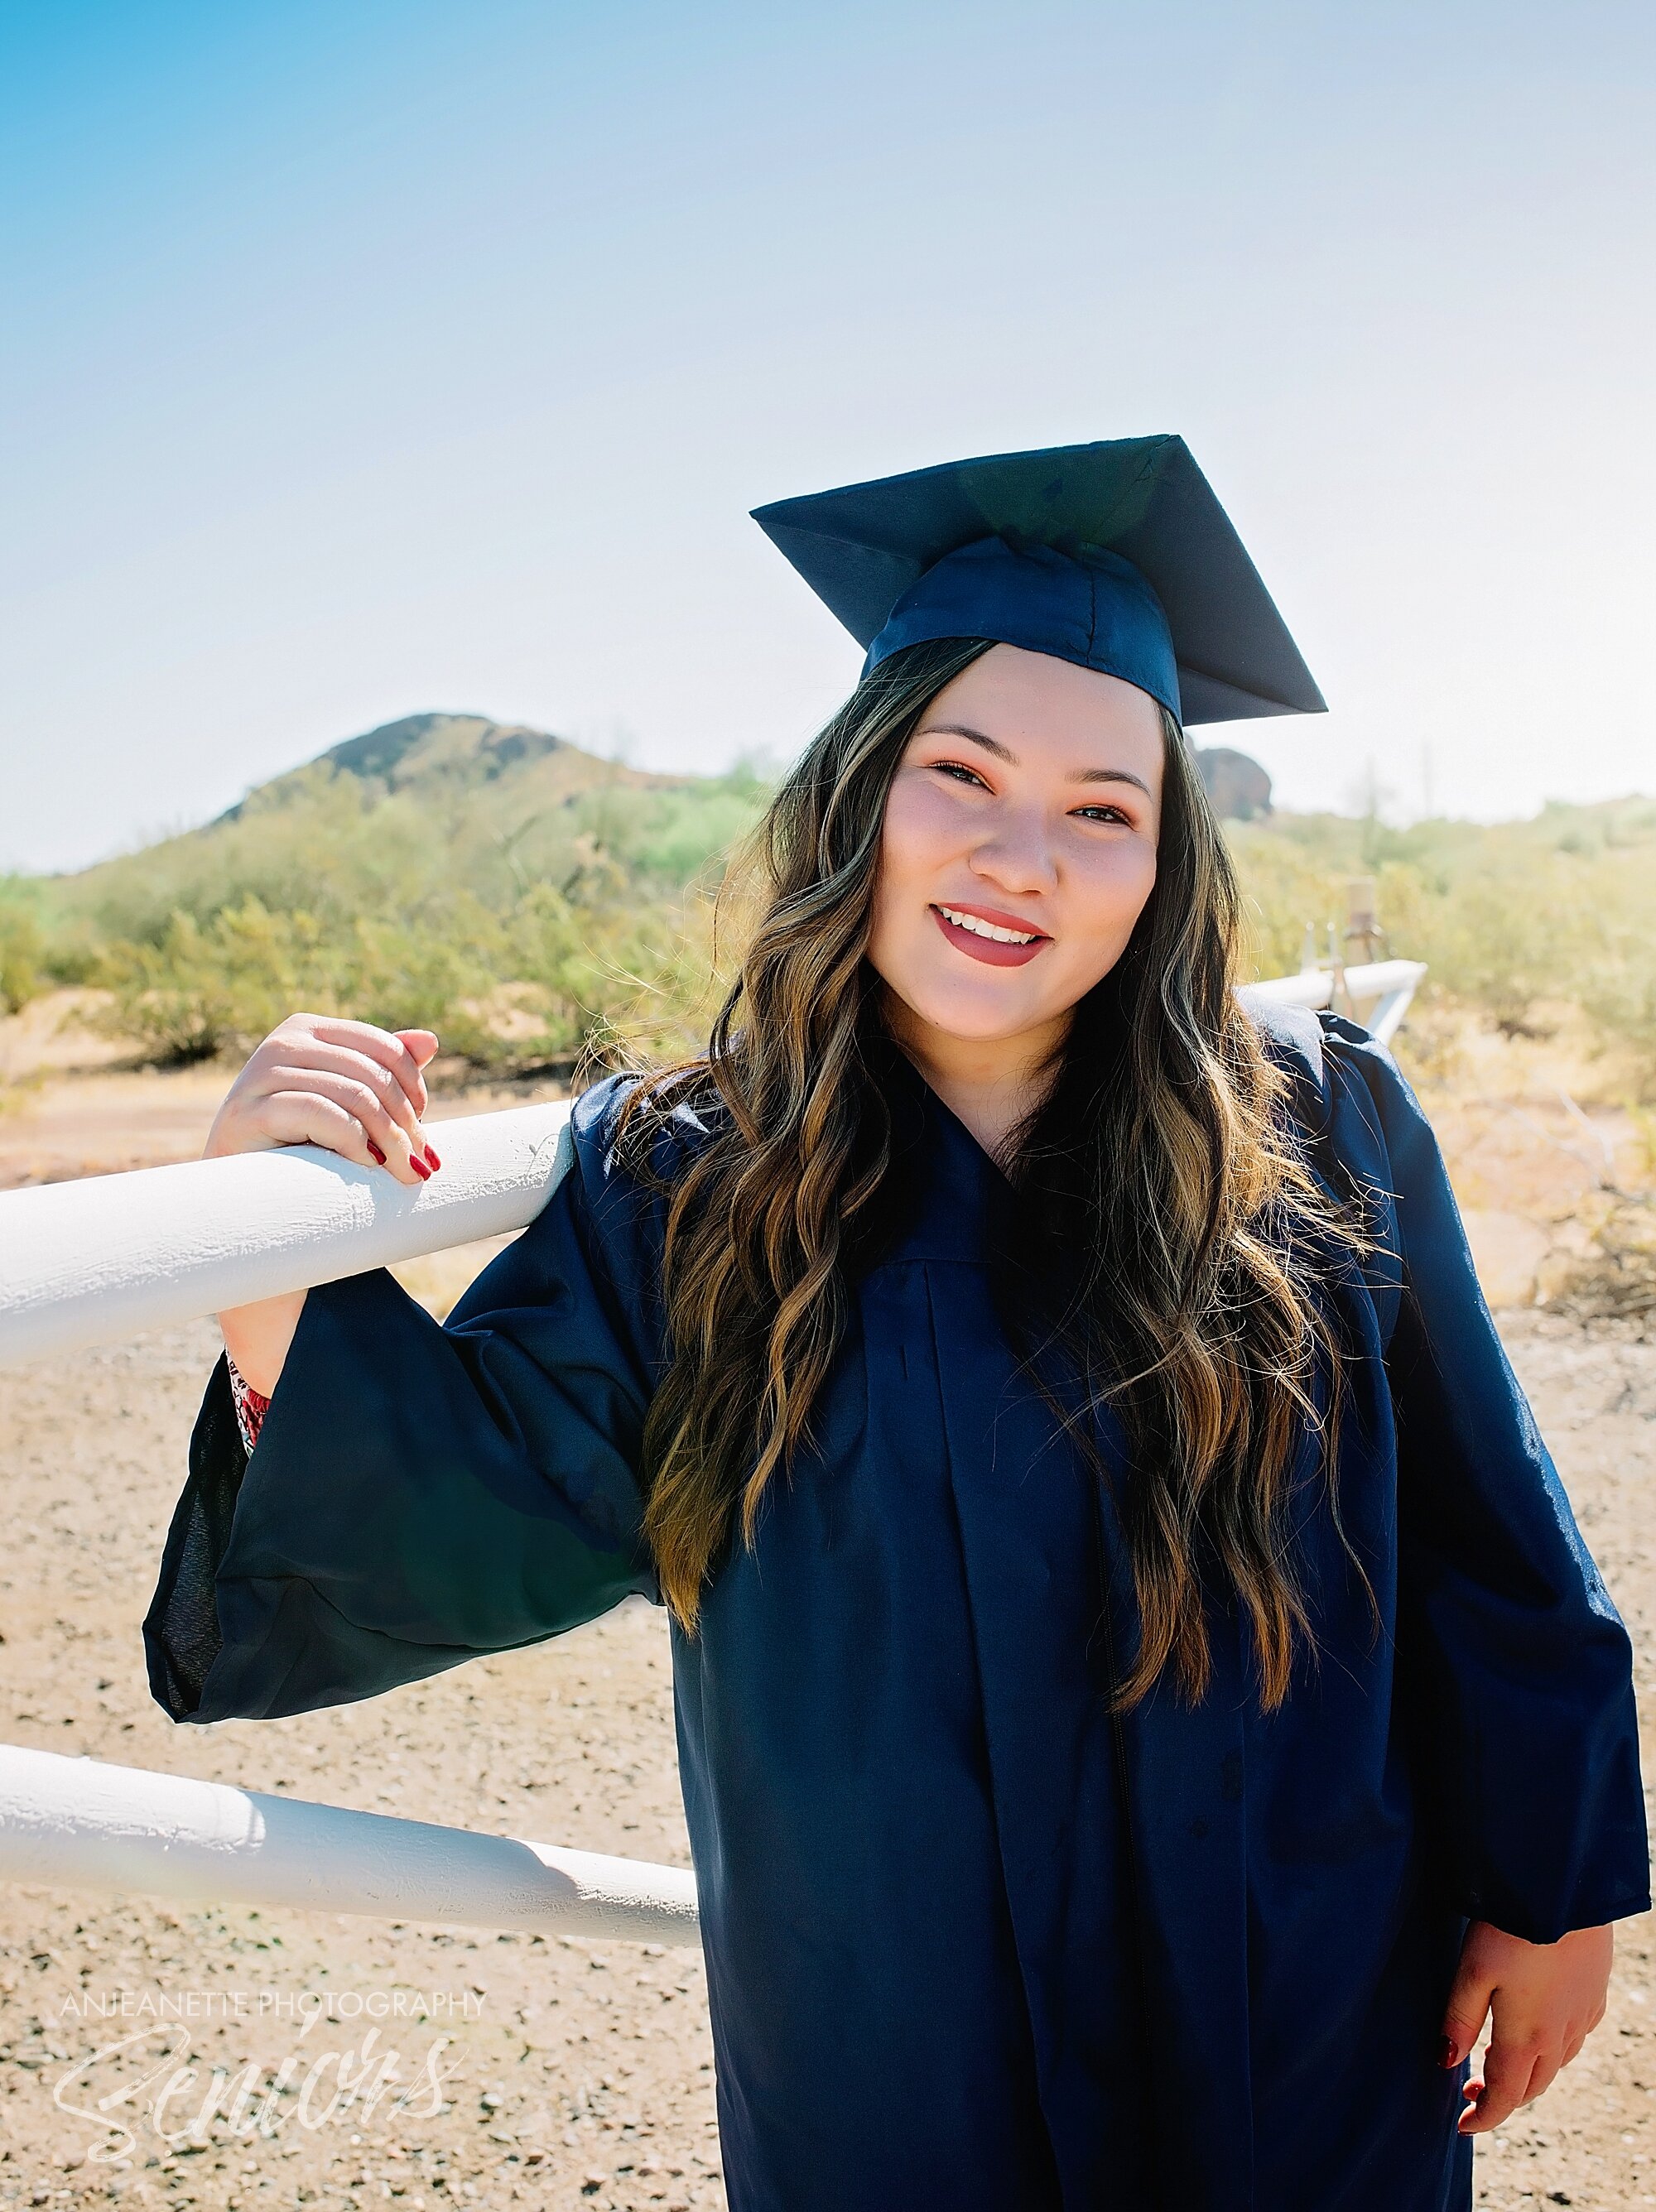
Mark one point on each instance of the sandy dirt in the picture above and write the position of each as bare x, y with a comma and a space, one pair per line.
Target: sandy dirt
569, 2073
582, 2071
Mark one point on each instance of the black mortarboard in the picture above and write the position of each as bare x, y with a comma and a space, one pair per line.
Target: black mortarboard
1115, 555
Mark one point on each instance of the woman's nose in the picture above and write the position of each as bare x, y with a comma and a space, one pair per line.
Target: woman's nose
1018, 858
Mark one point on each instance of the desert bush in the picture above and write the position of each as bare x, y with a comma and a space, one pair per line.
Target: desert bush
1616, 1278
1508, 916
23, 971
197, 991
544, 983
203, 990
519, 936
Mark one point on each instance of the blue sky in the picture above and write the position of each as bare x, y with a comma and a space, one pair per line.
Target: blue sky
362, 359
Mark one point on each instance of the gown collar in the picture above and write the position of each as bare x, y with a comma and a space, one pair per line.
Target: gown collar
942, 1180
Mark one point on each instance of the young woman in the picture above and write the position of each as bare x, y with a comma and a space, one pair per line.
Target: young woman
1142, 1697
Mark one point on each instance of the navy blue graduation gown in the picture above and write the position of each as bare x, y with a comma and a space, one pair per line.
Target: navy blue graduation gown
970, 1943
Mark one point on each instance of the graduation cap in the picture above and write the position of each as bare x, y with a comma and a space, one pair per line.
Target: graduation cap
1114, 555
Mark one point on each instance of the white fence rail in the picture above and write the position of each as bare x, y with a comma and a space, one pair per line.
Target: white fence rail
1377, 994
96, 1261
78, 1823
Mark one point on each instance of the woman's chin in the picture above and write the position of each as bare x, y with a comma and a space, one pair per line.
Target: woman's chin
978, 1016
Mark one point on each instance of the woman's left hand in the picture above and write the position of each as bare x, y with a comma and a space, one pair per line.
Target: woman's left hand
1547, 1999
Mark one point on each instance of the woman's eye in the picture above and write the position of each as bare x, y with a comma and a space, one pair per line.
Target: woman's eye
1103, 814
961, 772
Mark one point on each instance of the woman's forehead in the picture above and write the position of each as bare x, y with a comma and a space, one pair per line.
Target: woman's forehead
1046, 711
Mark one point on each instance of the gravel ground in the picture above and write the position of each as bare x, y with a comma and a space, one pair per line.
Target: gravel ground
573, 2073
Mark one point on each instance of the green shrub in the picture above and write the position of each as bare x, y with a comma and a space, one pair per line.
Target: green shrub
520, 936
1509, 916
204, 991
23, 973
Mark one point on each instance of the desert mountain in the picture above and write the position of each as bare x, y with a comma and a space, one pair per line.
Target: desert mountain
429, 755
410, 817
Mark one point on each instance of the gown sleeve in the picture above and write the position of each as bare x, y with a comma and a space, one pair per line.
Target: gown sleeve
419, 1493
1512, 1664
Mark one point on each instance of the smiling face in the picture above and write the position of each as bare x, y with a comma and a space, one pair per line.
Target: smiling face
1017, 850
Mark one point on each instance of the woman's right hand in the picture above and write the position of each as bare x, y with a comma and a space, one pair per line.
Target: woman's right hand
353, 1089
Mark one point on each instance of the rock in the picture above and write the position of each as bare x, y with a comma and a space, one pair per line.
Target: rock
1238, 787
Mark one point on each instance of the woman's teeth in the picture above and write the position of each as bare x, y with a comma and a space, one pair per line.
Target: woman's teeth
980, 928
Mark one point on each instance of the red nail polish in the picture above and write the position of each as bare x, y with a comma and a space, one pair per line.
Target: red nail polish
432, 1161
419, 1167
377, 1153
1446, 2051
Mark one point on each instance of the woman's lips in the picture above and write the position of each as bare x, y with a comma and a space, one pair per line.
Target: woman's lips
989, 949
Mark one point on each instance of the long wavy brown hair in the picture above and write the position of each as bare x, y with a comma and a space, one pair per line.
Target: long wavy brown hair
1160, 1159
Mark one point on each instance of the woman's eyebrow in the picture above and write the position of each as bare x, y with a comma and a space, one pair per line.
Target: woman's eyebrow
972, 736
1112, 775
1001, 752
